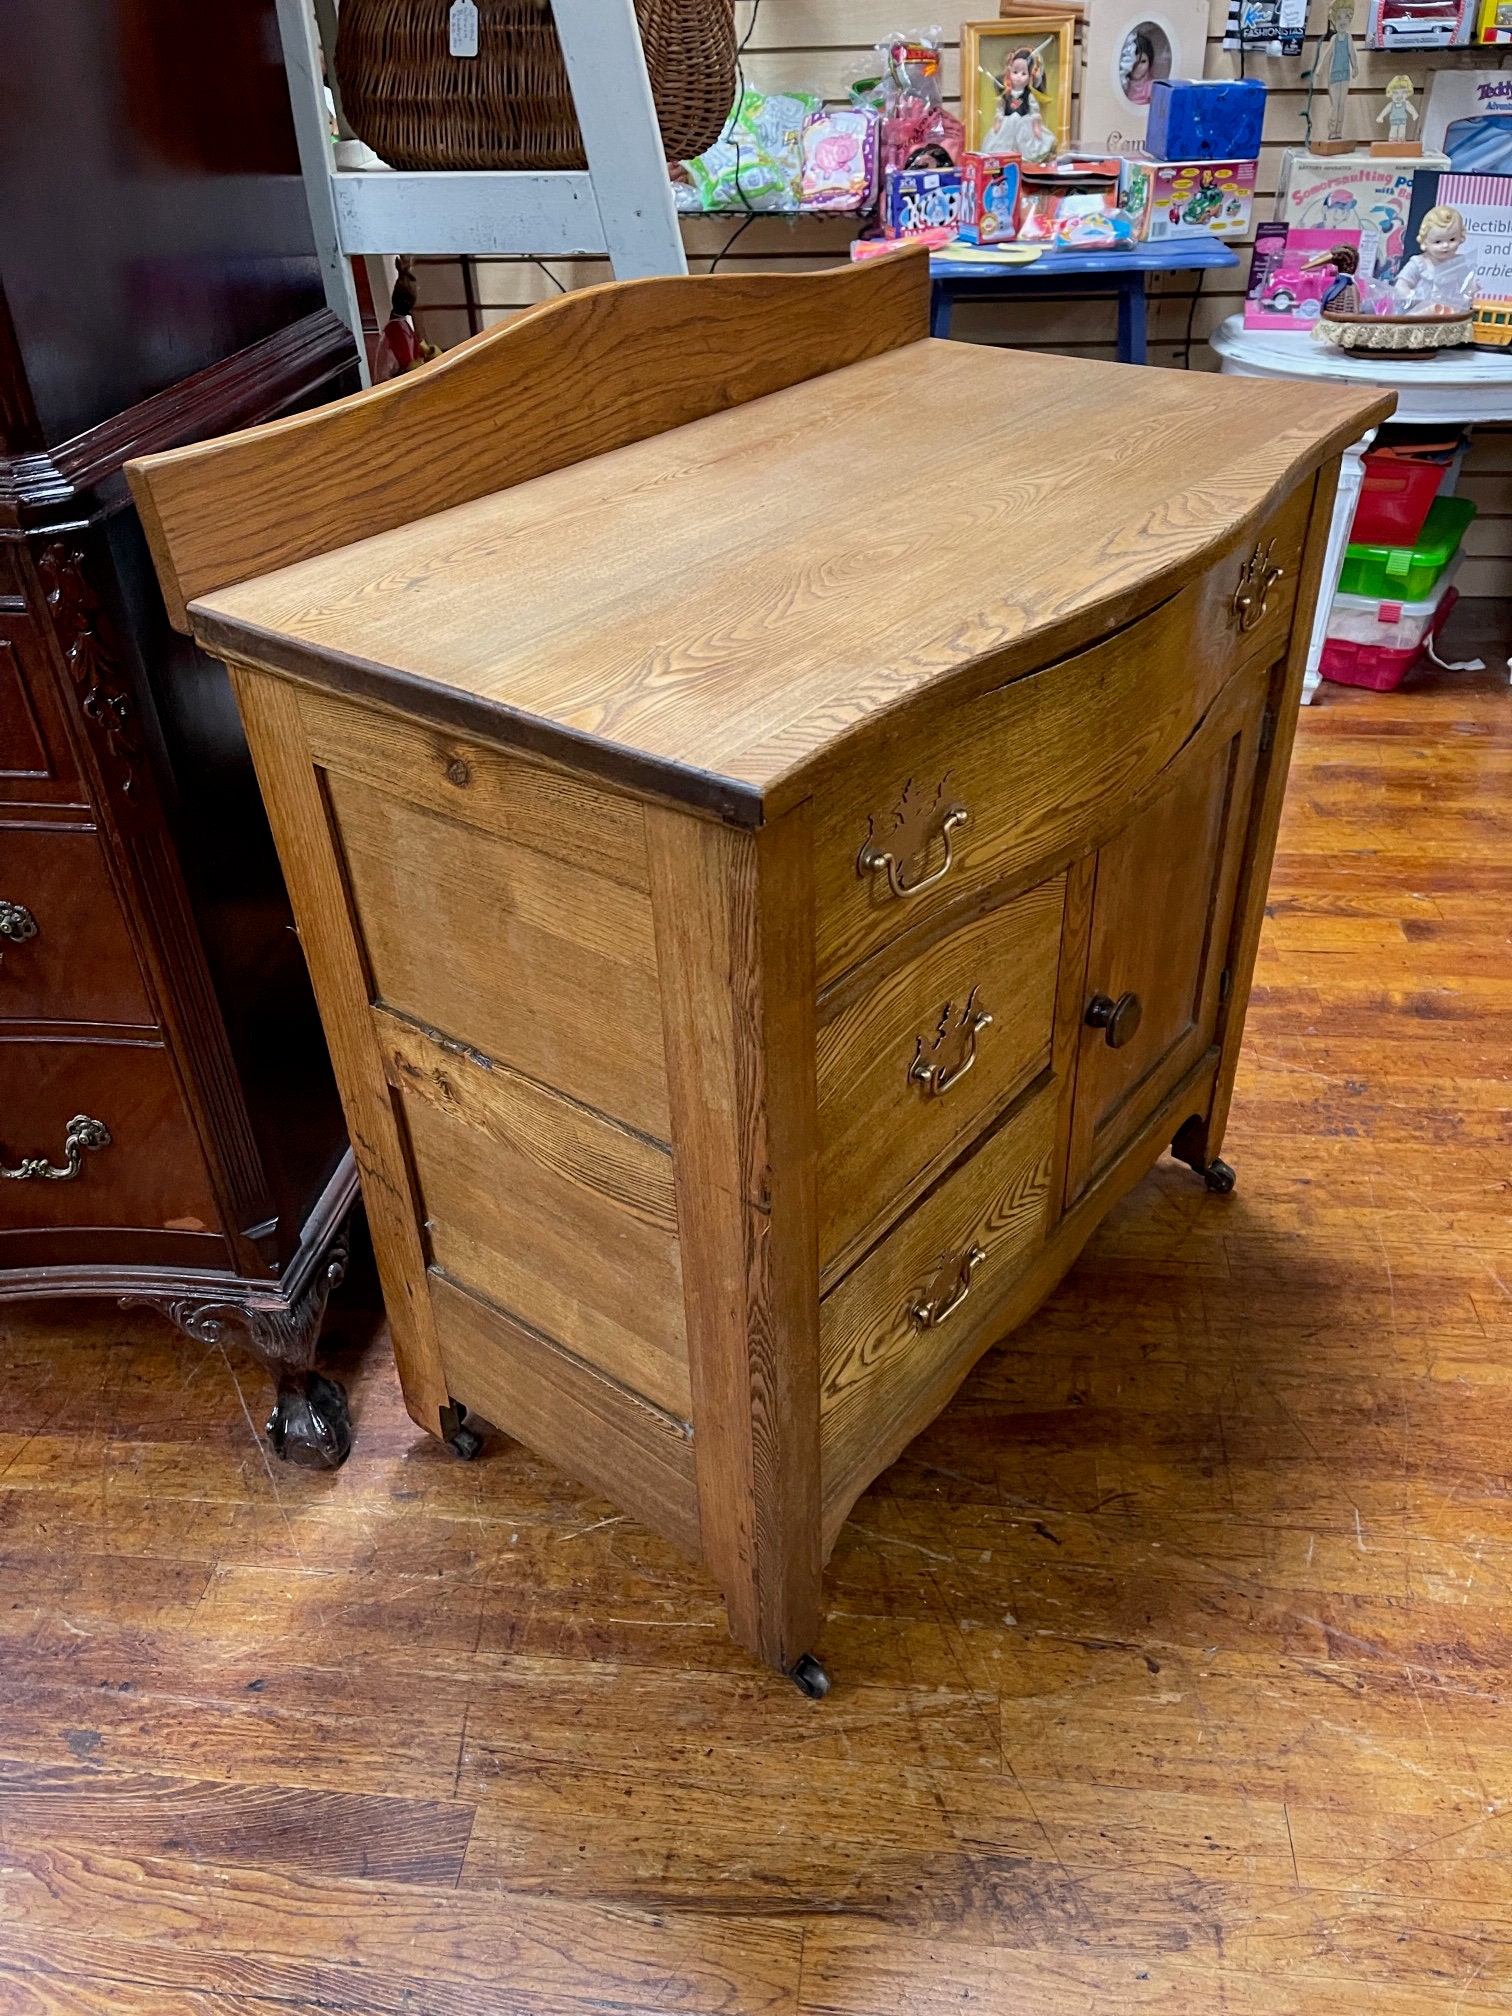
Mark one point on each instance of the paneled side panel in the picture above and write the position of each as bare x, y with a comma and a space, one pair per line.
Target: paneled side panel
36, 761
593, 1429
547, 1210
547, 968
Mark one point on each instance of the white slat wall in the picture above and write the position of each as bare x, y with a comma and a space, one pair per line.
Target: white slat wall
823, 45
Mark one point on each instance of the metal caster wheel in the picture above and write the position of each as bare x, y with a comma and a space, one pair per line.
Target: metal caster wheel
465, 1443
810, 1678
1219, 1178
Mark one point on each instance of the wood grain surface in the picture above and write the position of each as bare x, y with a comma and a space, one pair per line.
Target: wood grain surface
1173, 1667
607, 366
730, 577
881, 1131
734, 934
546, 967
546, 1209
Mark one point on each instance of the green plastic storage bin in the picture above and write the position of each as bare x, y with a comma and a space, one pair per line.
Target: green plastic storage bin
1409, 573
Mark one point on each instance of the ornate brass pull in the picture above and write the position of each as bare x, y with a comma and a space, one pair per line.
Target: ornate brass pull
929, 1314
82, 1133
1257, 577
874, 859
1118, 1020
16, 922
953, 1049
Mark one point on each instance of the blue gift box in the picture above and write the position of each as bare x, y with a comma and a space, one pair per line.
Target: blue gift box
1219, 119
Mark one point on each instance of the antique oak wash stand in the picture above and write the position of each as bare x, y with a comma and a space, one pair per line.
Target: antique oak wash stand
778, 812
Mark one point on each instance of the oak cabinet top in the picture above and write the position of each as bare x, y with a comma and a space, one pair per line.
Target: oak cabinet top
708, 610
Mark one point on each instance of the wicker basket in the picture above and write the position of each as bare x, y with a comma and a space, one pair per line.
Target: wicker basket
510, 106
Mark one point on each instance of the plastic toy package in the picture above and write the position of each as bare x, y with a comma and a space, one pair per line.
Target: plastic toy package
917, 131
757, 161
839, 160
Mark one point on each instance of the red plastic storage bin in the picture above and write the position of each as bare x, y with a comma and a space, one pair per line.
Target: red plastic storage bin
1399, 487
1373, 665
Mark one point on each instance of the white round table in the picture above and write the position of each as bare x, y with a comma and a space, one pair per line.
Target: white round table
1455, 387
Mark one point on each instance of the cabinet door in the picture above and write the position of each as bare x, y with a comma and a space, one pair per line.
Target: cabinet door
1162, 907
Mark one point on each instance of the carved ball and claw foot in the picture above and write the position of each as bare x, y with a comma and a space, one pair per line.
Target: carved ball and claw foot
809, 1676
310, 1424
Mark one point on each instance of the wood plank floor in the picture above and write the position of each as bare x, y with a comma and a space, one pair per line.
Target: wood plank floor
1173, 1666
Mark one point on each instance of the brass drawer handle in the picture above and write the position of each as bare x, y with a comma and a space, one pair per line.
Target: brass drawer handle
957, 1034
873, 859
16, 922
930, 1315
1257, 577
1118, 1020
82, 1133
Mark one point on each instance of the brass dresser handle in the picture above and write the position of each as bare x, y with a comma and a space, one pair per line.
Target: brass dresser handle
1118, 1020
82, 1133
958, 1033
1257, 577
929, 1315
873, 859
16, 922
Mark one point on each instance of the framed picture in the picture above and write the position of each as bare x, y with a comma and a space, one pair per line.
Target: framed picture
1130, 44
1016, 83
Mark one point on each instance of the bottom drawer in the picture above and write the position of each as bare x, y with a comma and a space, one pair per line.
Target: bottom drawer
149, 1173
897, 1318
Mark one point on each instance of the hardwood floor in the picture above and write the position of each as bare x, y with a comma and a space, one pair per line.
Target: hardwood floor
1173, 1664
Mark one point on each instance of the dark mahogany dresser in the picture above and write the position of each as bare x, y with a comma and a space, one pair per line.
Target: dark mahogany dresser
170, 1132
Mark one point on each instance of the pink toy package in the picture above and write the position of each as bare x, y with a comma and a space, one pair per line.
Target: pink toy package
839, 160
1284, 291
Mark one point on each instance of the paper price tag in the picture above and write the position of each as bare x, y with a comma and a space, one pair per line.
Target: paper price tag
463, 24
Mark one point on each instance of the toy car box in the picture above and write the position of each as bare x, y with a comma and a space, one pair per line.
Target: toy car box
1217, 119
1200, 199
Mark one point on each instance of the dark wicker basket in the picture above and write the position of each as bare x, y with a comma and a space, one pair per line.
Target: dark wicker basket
510, 106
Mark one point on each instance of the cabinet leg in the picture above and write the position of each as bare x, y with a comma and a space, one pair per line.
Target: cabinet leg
463, 1440
310, 1423
1191, 1146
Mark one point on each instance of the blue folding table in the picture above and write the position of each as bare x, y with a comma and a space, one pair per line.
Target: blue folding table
1123, 272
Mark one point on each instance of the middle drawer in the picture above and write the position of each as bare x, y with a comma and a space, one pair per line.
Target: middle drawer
913, 1065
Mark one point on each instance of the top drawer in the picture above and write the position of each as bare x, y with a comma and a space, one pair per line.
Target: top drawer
937, 811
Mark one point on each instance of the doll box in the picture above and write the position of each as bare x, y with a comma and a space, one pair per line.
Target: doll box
1217, 119
1200, 199
1353, 192
989, 198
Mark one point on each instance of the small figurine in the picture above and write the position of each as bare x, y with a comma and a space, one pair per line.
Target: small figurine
1438, 279
400, 349
1342, 65
1397, 110
1342, 294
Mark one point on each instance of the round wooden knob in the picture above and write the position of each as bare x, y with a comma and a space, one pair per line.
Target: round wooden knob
1118, 1020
